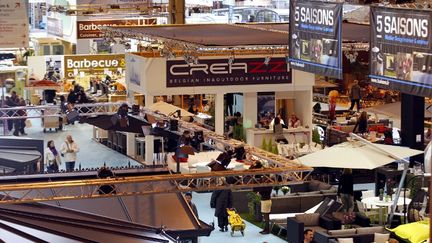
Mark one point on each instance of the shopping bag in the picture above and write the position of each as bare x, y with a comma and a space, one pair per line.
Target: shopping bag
72, 116
28, 123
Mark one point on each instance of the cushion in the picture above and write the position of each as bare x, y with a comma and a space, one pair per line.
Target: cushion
370, 230
331, 190
414, 232
345, 240
324, 186
342, 232
309, 219
308, 193
314, 185
381, 238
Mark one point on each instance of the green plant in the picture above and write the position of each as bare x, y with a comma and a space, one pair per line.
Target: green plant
414, 185
264, 144
285, 190
238, 133
253, 199
269, 146
316, 136
275, 149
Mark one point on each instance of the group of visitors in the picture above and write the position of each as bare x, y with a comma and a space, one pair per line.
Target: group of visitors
18, 125
77, 95
278, 125
68, 151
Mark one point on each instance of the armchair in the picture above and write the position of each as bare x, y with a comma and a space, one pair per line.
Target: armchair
297, 224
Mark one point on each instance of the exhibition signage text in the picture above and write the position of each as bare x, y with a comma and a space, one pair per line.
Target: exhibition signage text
400, 50
216, 72
91, 29
315, 37
14, 29
92, 64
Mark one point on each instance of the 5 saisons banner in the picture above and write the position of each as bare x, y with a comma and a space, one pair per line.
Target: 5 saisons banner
400, 50
316, 37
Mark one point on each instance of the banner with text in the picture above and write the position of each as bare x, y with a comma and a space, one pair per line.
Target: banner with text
316, 37
400, 50
14, 29
90, 29
84, 65
216, 72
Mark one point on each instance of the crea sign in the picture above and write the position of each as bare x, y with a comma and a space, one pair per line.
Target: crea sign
92, 64
216, 72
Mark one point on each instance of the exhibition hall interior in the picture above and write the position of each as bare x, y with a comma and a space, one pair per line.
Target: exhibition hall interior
208, 121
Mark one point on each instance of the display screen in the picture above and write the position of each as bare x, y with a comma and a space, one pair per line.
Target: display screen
400, 50
315, 37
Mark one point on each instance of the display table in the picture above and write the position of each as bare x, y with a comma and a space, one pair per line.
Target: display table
139, 98
375, 202
254, 137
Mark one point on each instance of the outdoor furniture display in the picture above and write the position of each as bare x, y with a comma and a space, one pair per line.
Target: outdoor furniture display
255, 136
297, 225
359, 235
412, 232
371, 213
383, 204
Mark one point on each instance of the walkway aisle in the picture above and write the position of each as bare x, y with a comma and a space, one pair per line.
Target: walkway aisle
252, 235
91, 155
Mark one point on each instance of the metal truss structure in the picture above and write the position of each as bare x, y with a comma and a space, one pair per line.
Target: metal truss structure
91, 109
144, 185
278, 170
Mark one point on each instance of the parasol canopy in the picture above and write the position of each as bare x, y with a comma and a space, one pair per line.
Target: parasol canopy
356, 155
169, 109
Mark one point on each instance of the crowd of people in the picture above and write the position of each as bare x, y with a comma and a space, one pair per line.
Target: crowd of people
17, 125
67, 152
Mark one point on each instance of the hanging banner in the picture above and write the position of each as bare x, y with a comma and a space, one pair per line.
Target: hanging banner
400, 50
90, 29
84, 65
14, 29
316, 37
216, 72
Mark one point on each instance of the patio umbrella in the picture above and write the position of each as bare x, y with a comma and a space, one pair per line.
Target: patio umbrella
105, 122
169, 109
356, 155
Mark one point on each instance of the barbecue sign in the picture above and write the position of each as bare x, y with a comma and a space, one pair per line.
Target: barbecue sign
315, 37
400, 54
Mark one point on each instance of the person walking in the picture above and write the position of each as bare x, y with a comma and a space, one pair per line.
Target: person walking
345, 190
221, 200
52, 158
69, 150
355, 95
266, 203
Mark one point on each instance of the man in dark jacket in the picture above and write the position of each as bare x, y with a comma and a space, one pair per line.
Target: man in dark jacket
221, 200
345, 190
355, 95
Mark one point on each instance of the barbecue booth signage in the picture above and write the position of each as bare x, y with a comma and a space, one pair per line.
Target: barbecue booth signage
90, 29
401, 54
92, 64
216, 72
315, 37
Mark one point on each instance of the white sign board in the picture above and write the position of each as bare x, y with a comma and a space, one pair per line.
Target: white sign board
14, 27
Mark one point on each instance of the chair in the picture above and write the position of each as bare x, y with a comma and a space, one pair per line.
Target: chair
368, 213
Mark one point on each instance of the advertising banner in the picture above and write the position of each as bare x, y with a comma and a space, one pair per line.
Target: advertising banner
90, 29
216, 72
84, 65
46, 67
14, 29
316, 37
400, 50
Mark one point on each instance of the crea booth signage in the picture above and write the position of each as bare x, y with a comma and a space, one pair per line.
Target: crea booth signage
400, 50
216, 72
92, 64
90, 29
315, 37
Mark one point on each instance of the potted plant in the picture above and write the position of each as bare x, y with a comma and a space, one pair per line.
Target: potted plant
285, 190
254, 205
381, 194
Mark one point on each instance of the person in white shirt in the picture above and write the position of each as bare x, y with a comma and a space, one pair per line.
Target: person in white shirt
293, 121
52, 157
69, 150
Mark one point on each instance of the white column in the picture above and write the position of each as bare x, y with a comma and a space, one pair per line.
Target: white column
130, 137
250, 108
149, 149
219, 114
148, 100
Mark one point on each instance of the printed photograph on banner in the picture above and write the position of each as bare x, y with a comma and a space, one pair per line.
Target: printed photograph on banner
315, 39
404, 65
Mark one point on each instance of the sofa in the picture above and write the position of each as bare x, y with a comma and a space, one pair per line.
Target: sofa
314, 221
302, 197
359, 235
